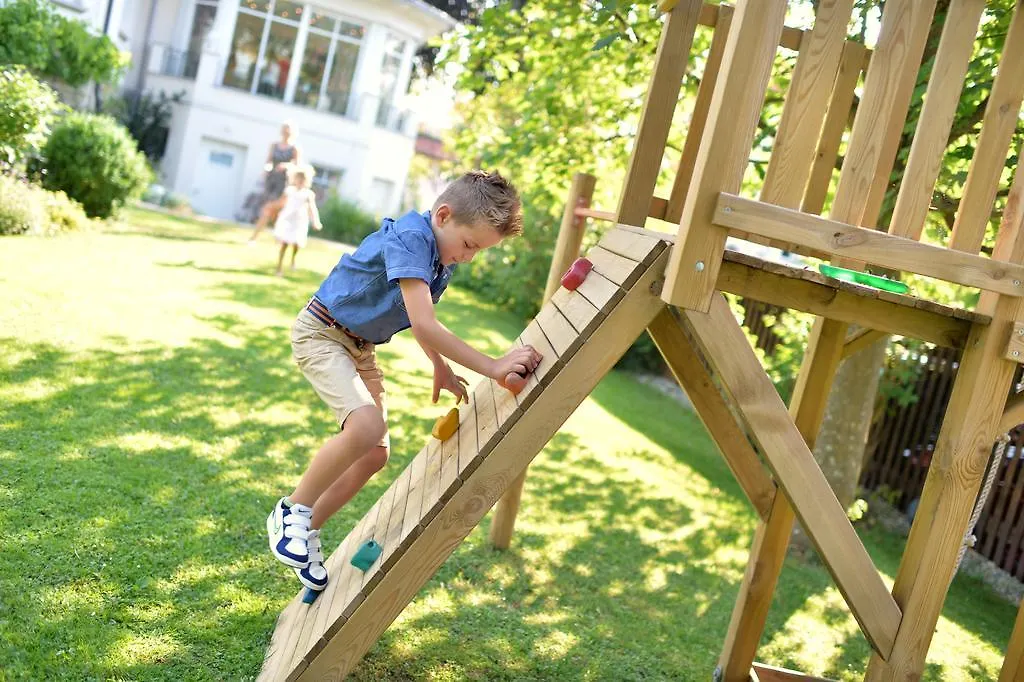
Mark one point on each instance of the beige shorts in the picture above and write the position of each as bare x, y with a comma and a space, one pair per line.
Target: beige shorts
345, 376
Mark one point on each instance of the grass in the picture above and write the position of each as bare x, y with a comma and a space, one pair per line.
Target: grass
150, 414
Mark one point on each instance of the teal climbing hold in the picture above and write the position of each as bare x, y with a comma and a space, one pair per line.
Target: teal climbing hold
367, 553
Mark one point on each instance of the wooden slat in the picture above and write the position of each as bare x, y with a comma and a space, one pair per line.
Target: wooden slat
468, 450
393, 532
534, 336
580, 312
275, 658
450, 464
354, 593
619, 270
682, 358
1013, 665
599, 290
806, 103
699, 116
431, 482
848, 241
414, 501
796, 472
557, 329
505, 407
639, 245
325, 601
724, 150
463, 512
1001, 117
936, 120
1009, 244
850, 67
660, 100
840, 303
487, 432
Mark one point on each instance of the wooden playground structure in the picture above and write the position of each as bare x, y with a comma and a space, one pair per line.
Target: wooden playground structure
670, 286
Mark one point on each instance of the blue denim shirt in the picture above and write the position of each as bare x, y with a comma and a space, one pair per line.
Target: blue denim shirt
362, 291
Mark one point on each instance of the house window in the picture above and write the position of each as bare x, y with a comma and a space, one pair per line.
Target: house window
202, 20
262, 46
329, 62
326, 182
394, 52
381, 191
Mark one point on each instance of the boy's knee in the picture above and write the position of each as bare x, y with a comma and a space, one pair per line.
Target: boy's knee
377, 458
370, 421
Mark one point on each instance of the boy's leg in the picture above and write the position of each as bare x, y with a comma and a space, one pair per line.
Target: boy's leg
346, 486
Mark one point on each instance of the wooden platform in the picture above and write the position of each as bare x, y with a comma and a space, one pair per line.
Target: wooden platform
448, 487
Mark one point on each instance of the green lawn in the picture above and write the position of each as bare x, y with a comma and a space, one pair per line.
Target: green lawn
150, 415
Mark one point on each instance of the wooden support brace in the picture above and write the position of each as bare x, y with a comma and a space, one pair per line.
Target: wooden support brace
796, 472
1015, 346
683, 359
1013, 415
861, 339
769, 673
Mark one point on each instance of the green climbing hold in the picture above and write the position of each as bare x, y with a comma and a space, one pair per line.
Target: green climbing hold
864, 278
367, 553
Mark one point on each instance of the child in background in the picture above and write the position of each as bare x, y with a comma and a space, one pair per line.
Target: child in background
297, 208
390, 283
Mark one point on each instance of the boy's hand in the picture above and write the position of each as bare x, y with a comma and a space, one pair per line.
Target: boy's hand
522, 360
446, 379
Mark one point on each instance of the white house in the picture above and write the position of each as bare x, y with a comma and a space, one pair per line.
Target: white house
338, 70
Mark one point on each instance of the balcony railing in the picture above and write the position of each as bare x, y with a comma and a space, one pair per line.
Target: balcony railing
167, 61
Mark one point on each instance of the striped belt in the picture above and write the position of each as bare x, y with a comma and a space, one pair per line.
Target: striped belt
320, 312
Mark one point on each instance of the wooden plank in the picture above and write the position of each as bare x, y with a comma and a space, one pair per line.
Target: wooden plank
770, 673
699, 116
564, 339
350, 575
640, 245
505, 407
487, 431
334, 565
997, 128
850, 67
463, 512
580, 312
275, 658
1013, 415
670, 62
1009, 244
682, 358
796, 472
861, 339
936, 120
842, 304
393, 532
468, 450
431, 482
619, 270
805, 105
724, 151
414, 501
871, 246
450, 464
534, 336
1013, 665
599, 290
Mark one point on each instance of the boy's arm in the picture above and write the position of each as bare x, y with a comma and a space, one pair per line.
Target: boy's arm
432, 334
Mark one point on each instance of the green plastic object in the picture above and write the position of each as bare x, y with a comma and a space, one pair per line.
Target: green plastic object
367, 553
865, 278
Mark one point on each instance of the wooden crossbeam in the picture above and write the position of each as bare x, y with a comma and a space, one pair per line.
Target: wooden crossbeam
936, 120
724, 344
464, 509
849, 241
688, 368
1013, 415
770, 673
997, 128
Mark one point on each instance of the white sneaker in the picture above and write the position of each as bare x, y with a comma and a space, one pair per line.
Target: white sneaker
288, 532
314, 575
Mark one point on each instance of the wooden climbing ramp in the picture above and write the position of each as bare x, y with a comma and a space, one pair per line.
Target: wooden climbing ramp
448, 487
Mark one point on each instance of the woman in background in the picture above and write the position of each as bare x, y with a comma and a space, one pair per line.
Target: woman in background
283, 154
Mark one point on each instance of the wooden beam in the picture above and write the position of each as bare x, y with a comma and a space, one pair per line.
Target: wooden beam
1013, 665
571, 231
849, 241
936, 120
1013, 415
1015, 346
683, 359
724, 151
463, 511
769, 673
861, 339
797, 473
1001, 117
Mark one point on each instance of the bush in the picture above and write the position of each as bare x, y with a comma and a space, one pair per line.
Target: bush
54, 46
96, 162
345, 222
147, 118
29, 107
28, 209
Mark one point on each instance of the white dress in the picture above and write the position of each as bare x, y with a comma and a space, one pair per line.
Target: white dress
292, 224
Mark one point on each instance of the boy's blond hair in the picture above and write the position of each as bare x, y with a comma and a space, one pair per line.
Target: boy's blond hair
479, 195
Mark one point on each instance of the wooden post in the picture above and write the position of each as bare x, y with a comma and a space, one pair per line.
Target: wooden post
1013, 666
567, 250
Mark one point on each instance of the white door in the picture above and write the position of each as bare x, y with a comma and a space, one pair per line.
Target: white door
216, 188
